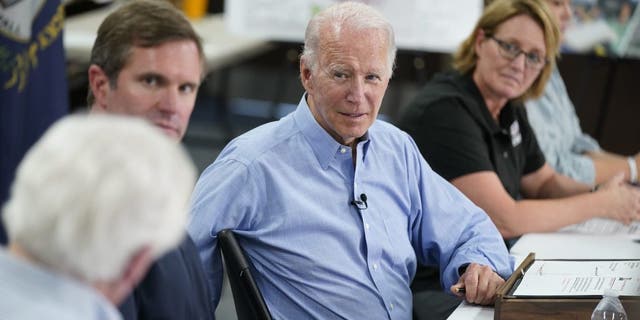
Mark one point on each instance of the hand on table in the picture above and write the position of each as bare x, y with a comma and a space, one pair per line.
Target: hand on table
623, 200
480, 284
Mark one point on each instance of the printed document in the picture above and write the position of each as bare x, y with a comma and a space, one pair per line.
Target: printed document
604, 226
580, 278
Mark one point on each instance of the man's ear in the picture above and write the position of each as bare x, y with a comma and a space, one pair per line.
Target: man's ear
138, 265
99, 85
305, 75
132, 274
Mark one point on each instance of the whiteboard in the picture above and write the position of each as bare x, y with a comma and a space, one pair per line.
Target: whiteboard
429, 25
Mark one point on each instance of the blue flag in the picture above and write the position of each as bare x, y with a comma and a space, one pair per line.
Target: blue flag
33, 82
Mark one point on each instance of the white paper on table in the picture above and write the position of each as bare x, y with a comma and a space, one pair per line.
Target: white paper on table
604, 226
580, 278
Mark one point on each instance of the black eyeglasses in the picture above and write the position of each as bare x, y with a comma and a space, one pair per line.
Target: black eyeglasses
511, 51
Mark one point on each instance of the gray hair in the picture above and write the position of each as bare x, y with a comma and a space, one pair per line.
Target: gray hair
94, 190
354, 14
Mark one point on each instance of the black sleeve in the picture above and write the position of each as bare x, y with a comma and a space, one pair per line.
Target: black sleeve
175, 287
448, 137
128, 309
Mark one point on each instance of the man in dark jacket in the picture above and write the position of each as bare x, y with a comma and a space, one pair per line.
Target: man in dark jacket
148, 62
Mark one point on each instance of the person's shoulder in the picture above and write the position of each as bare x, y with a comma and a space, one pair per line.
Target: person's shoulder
250, 145
385, 128
174, 286
178, 260
443, 85
394, 143
59, 311
386, 133
445, 90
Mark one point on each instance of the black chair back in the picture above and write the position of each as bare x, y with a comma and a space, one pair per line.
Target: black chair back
246, 296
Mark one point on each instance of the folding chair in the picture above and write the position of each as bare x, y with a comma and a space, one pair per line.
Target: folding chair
246, 295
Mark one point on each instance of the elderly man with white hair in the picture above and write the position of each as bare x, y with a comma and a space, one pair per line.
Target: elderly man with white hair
94, 202
334, 208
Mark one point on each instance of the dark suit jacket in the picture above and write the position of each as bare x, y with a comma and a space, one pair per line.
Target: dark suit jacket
174, 288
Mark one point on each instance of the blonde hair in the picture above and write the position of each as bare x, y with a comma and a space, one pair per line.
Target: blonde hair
494, 15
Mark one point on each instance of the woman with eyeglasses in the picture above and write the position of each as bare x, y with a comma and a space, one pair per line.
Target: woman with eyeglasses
471, 126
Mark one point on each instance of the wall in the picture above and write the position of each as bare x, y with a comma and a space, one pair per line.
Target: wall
606, 94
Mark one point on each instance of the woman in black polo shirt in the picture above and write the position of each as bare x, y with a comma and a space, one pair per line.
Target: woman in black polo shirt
472, 128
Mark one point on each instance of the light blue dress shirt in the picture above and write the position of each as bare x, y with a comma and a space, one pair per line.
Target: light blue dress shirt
28, 292
557, 128
286, 188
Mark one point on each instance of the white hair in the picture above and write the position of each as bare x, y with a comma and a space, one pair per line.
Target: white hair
353, 14
94, 190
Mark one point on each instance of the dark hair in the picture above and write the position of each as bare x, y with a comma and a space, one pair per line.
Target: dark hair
141, 23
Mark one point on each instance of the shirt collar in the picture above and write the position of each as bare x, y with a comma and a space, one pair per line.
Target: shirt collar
322, 143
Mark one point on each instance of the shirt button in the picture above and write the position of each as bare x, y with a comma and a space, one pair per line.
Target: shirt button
343, 150
366, 226
391, 306
375, 266
505, 154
